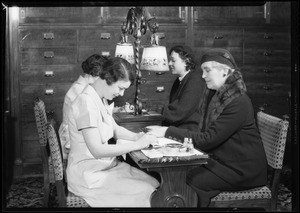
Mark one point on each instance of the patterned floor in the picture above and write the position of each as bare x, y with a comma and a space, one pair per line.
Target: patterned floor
27, 193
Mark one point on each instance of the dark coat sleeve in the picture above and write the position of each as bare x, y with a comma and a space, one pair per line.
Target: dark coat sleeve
187, 101
231, 119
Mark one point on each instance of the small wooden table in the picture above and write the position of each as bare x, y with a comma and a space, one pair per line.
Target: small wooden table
173, 191
136, 122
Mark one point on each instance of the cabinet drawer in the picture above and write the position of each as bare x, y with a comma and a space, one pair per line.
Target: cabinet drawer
50, 74
266, 56
267, 89
47, 37
275, 106
160, 77
267, 37
49, 93
237, 53
267, 74
218, 37
148, 95
38, 15
85, 52
52, 108
172, 36
101, 37
48, 56
154, 90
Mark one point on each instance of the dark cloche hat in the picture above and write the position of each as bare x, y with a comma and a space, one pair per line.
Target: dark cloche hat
220, 55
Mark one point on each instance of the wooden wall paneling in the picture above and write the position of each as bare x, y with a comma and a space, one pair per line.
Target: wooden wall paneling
228, 15
163, 14
60, 15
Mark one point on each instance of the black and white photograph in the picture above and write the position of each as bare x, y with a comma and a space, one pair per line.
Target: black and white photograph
150, 106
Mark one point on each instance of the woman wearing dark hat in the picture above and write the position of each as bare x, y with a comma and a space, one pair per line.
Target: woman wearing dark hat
186, 91
227, 131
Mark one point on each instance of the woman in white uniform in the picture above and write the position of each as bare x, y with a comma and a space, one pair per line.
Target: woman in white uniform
91, 67
93, 171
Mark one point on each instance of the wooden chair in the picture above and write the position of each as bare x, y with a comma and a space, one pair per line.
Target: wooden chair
65, 198
273, 133
41, 121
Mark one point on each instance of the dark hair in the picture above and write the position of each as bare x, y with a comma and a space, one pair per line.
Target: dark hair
186, 54
115, 69
93, 64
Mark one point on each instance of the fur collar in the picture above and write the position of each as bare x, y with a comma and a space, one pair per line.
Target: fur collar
234, 87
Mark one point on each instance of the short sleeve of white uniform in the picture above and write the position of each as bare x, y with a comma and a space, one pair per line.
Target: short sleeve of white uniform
85, 112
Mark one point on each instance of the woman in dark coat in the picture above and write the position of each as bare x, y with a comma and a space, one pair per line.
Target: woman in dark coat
186, 91
227, 131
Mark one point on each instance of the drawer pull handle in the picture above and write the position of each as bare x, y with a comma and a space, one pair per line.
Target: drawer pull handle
265, 105
160, 89
105, 36
143, 81
267, 53
105, 53
267, 87
48, 54
49, 92
159, 73
218, 37
267, 36
49, 74
48, 36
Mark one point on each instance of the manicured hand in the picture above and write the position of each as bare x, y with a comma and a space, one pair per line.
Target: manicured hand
146, 140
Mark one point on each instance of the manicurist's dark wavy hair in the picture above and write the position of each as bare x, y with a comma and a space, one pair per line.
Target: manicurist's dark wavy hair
93, 65
115, 69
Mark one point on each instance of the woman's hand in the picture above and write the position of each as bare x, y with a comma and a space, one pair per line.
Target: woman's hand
139, 135
158, 131
146, 140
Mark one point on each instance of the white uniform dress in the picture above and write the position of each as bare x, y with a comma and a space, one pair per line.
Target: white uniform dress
104, 182
76, 88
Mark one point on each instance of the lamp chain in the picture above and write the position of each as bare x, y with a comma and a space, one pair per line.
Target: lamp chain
138, 104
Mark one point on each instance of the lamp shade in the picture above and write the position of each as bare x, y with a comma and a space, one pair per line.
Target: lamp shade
154, 58
125, 50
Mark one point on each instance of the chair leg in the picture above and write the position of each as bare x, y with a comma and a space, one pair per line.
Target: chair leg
46, 193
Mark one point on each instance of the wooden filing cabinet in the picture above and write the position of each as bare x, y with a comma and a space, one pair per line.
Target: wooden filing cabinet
267, 67
47, 70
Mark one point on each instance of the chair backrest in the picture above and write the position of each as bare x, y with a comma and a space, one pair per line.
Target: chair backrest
55, 152
56, 155
273, 133
41, 121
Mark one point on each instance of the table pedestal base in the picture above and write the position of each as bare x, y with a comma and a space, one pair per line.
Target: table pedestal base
173, 191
